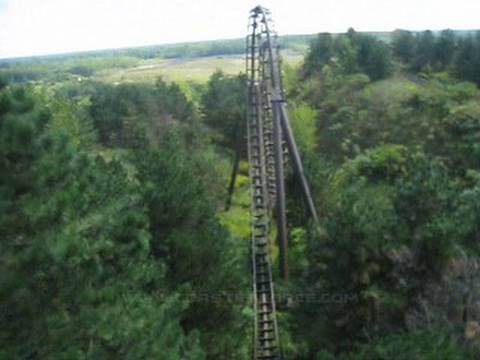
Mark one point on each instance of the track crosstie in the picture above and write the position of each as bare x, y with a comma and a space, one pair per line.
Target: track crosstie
270, 140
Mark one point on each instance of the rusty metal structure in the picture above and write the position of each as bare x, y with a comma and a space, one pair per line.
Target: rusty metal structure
270, 142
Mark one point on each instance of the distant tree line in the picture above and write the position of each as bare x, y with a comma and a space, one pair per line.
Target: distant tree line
350, 53
416, 52
425, 51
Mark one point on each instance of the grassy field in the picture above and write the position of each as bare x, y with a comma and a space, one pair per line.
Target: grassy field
123, 69
195, 69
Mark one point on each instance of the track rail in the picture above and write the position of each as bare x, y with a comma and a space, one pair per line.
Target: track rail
270, 139
266, 336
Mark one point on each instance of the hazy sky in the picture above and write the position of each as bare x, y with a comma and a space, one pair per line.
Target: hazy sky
32, 27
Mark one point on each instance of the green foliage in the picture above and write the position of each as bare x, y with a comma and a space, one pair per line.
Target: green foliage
445, 47
79, 280
387, 201
304, 128
384, 163
320, 53
403, 45
69, 116
112, 244
467, 59
422, 344
60, 68
351, 53
122, 114
428, 345
113, 254
199, 252
223, 105
356, 116
82, 70
427, 52
373, 56
467, 213
424, 51
393, 165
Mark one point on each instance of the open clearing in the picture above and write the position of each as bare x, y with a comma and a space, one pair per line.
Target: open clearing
195, 69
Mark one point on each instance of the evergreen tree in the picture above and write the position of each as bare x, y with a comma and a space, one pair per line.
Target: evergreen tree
424, 51
403, 44
78, 276
467, 60
319, 54
445, 47
223, 105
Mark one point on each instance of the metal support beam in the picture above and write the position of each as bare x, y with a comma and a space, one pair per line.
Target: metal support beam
233, 177
297, 162
280, 207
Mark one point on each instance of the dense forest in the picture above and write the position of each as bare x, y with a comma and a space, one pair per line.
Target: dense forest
115, 239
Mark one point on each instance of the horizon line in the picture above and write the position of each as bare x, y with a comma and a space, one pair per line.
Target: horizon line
127, 47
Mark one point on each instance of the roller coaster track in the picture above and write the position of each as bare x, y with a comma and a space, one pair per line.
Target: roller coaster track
270, 140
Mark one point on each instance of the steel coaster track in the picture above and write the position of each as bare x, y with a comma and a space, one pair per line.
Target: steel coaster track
270, 139
262, 189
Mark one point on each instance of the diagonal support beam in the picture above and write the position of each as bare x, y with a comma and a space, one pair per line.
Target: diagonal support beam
297, 162
280, 205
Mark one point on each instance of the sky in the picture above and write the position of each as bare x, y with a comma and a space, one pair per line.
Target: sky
37, 27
